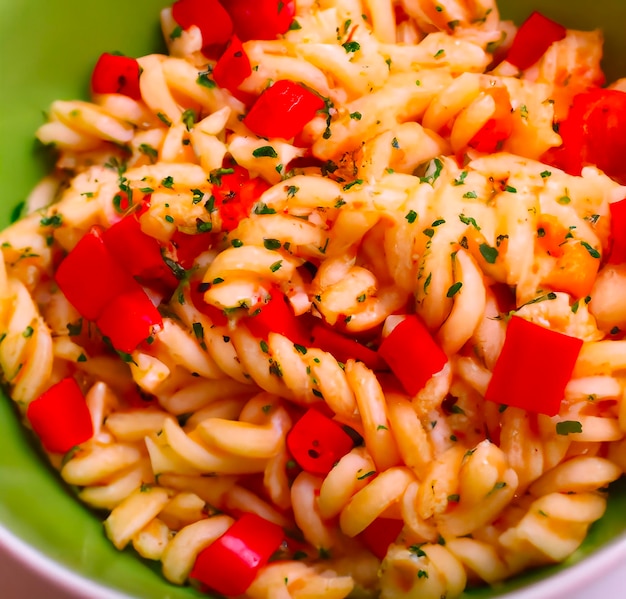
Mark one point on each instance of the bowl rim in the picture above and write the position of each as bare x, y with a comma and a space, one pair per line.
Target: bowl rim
578, 576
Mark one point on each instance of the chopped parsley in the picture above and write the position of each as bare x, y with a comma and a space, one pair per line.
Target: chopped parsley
566, 427
490, 254
265, 152
351, 46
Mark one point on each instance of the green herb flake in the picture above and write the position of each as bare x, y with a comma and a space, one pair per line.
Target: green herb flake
510, 189
454, 498
271, 244
276, 266
204, 79
292, 190
356, 116
422, 574
429, 232
198, 330
470, 195
469, 220
300, 348
490, 254
168, 182
55, 220
264, 347
163, 118
461, 179
28, 332
351, 47
411, 216
564, 200
439, 53
262, 208
189, 118
454, 289
265, 152
236, 243
352, 184
567, 427
417, 550
149, 151
592, 251
545, 174
366, 475
295, 26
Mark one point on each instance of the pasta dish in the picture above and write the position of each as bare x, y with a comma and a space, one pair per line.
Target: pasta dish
326, 300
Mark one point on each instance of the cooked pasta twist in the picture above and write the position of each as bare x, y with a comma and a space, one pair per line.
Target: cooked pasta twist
387, 204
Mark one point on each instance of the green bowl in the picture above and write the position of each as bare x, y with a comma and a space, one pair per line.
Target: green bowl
47, 50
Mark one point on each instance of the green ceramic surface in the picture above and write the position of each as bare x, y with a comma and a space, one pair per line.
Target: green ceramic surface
47, 50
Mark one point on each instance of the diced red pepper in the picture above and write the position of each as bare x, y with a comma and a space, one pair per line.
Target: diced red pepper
283, 110
343, 348
412, 354
190, 246
261, 19
236, 194
618, 232
197, 290
232, 68
139, 253
276, 316
534, 36
60, 417
499, 127
317, 443
380, 534
90, 277
116, 74
210, 17
533, 368
128, 319
594, 133
230, 564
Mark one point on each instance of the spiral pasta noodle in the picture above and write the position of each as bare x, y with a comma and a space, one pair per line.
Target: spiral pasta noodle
386, 208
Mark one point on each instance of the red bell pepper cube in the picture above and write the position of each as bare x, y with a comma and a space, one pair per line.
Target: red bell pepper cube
533, 368
232, 68
235, 195
412, 354
282, 110
230, 564
534, 36
60, 417
380, 534
116, 74
210, 17
276, 316
618, 232
139, 253
128, 319
317, 442
499, 127
344, 348
90, 277
261, 19
594, 133
189, 246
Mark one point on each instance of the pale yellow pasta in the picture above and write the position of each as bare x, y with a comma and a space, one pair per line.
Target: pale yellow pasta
283, 265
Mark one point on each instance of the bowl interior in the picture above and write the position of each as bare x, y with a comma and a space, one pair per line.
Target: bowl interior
47, 50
